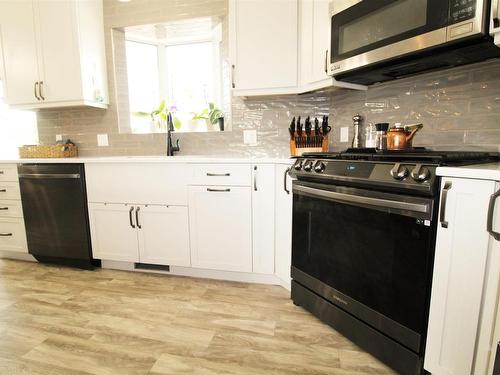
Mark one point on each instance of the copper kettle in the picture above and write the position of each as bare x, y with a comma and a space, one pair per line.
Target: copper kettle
400, 137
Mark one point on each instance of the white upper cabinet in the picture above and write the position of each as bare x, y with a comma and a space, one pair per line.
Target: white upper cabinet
53, 53
280, 47
263, 45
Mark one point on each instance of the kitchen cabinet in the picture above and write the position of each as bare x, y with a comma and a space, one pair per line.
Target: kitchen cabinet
289, 51
140, 233
263, 218
12, 229
220, 222
53, 53
283, 224
465, 285
263, 46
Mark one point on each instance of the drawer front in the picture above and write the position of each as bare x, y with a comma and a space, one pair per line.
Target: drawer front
8, 172
13, 235
9, 190
11, 208
221, 174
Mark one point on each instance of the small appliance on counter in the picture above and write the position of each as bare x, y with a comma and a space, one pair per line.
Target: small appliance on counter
59, 150
55, 211
303, 138
363, 241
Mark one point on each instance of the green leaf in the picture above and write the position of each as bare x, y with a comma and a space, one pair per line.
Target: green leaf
140, 114
163, 116
177, 123
211, 106
162, 106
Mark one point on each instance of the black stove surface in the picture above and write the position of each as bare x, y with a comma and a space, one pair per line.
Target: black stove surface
418, 154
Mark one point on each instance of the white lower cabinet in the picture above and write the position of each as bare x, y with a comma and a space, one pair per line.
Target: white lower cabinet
220, 219
164, 235
114, 236
283, 224
465, 281
140, 233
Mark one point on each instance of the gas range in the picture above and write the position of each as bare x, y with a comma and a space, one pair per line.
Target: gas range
411, 171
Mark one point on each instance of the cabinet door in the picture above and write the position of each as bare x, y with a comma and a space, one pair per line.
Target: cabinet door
18, 43
283, 224
263, 45
458, 278
59, 54
220, 219
164, 235
263, 218
113, 232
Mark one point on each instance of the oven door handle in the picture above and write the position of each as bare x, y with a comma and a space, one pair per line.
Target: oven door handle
386, 204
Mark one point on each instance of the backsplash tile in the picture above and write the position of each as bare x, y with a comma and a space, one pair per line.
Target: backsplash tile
460, 108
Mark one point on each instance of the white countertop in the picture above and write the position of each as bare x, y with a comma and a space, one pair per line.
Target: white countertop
152, 159
489, 171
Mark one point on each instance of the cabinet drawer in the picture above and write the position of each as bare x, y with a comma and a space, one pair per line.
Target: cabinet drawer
13, 235
9, 190
8, 172
11, 208
221, 174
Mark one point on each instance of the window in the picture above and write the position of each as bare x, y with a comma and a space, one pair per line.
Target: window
17, 128
184, 71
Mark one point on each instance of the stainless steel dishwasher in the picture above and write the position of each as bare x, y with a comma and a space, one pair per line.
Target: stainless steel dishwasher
56, 214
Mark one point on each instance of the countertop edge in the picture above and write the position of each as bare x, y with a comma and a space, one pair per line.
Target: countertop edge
490, 171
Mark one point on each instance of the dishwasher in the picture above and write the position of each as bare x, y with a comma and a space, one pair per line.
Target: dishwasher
55, 211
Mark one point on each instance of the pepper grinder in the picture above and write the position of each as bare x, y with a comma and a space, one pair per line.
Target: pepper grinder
356, 121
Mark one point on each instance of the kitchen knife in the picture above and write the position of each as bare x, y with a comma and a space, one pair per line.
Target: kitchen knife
292, 129
308, 128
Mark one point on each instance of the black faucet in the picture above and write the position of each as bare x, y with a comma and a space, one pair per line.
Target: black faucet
170, 146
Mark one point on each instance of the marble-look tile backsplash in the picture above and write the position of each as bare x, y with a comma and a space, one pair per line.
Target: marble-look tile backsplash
460, 108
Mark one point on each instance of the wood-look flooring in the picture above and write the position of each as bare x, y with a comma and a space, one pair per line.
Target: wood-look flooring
62, 321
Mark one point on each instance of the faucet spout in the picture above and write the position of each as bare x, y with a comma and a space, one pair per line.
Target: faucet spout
171, 149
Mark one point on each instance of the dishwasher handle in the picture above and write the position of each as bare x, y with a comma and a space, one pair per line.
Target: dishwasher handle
39, 176
491, 212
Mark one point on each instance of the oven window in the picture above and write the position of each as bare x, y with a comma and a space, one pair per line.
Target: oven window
394, 19
380, 259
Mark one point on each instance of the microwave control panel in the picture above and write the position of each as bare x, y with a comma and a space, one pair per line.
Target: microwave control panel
461, 10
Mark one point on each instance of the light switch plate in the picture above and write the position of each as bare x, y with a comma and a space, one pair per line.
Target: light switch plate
250, 137
102, 140
344, 134
58, 137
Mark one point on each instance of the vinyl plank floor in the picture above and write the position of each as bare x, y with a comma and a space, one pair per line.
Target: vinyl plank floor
63, 321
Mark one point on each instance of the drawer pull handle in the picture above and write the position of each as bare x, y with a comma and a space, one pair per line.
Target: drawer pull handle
4, 208
1, 172
130, 217
5, 234
218, 190
3, 190
218, 174
491, 212
444, 196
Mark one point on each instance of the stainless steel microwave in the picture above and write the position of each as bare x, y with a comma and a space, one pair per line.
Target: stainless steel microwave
379, 40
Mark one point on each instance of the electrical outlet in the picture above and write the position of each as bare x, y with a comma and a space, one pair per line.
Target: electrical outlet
102, 140
58, 137
250, 137
344, 134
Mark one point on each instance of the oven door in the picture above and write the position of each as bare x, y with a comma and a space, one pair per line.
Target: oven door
370, 253
373, 31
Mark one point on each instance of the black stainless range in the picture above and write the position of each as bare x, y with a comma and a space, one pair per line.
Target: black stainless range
364, 230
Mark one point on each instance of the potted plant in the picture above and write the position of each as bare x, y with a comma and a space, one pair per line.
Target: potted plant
159, 116
212, 115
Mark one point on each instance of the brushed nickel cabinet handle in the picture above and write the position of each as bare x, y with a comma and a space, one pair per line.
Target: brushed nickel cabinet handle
255, 178
218, 174
137, 217
130, 217
326, 62
218, 190
6, 234
40, 90
285, 187
36, 94
233, 85
3, 190
2, 172
491, 211
4, 208
442, 212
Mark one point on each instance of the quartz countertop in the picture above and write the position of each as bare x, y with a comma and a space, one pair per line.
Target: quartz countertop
152, 159
490, 171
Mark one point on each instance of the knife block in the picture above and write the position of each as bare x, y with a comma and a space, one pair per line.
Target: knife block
313, 143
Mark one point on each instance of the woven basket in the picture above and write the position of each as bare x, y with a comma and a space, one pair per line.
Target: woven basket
48, 151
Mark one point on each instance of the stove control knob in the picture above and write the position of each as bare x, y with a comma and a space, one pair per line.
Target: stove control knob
308, 166
420, 173
298, 165
319, 167
399, 172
